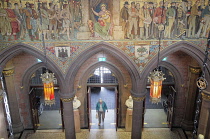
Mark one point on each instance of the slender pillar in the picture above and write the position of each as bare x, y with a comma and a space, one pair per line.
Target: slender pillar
3, 129
191, 98
138, 111
204, 120
12, 97
68, 116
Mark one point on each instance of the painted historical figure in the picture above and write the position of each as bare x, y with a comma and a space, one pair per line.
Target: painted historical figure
170, 19
192, 20
103, 28
5, 27
124, 19
14, 22
133, 16
66, 24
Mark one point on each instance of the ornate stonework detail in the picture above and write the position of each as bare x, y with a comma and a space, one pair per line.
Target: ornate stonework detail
195, 70
8, 72
205, 96
139, 98
67, 99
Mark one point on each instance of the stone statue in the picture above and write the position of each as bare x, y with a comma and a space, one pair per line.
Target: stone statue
129, 102
76, 103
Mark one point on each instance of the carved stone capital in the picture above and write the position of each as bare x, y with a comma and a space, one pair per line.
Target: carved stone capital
139, 98
205, 95
195, 70
67, 99
8, 72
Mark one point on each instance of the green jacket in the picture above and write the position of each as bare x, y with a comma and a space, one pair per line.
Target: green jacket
104, 107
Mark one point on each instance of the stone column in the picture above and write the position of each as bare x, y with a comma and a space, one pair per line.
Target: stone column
68, 117
138, 112
3, 129
12, 97
194, 72
204, 121
84, 32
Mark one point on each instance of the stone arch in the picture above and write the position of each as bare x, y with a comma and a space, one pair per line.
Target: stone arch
189, 48
129, 65
16, 49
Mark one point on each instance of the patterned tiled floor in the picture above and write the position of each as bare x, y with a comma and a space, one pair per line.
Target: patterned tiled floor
148, 133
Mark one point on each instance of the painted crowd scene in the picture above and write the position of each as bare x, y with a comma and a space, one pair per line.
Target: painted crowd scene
61, 20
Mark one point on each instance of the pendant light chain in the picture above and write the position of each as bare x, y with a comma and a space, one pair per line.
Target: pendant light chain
43, 41
202, 84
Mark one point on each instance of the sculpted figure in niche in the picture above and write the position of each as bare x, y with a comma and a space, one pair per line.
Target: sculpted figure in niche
129, 102
103, 28
76, 103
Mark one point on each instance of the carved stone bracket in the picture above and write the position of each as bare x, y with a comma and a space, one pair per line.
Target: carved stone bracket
67, 99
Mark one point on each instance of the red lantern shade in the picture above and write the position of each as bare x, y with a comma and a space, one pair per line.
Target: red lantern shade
47, 79
156, 79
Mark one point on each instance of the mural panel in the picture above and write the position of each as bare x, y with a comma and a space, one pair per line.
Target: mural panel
138, 20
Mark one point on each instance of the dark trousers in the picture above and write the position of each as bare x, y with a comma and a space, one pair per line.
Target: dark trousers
101, 115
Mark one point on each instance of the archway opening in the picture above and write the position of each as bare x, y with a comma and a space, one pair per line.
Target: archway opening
45, 116
157, 115
102, 99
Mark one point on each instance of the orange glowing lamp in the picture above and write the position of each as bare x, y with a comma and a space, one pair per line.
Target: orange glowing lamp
47, 79
156, 78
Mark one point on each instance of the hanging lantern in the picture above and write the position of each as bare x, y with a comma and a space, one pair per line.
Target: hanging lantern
156, 78
47, 79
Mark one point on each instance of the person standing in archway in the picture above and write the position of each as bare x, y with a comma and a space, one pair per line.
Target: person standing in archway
101, 108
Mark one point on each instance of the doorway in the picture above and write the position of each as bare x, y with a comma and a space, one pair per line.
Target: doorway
108, 95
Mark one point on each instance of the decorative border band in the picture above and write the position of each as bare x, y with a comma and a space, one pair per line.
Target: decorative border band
67, 99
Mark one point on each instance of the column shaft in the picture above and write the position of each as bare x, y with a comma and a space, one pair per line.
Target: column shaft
68, 116
191, 98
137, 117
12, 98
204, 119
